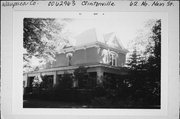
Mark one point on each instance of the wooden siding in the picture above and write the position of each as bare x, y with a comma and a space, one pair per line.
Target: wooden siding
84, 56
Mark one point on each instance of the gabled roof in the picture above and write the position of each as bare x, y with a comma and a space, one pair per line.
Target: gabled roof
86, 37
108, 36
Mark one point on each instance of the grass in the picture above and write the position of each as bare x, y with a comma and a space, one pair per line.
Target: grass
35, 103
39, 103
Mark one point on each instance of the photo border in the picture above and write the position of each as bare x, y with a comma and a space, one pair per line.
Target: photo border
7, 100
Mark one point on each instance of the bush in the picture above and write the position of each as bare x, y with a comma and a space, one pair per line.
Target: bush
99, 92
101, 102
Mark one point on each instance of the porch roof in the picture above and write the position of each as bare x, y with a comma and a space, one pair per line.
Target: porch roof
123, 69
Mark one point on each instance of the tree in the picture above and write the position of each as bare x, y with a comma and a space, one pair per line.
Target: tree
146, 68
134, 60
146, 52
154, 60
42, 39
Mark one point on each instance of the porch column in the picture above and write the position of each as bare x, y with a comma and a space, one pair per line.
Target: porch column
28, 84
99, 77
75, 82
54, 78
25, 79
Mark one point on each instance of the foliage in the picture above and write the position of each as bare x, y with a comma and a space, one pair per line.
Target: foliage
36, 82
47, 82
101, 102
134, 60
145, 68
66, 81
42, 39
149, 58
154, 61
82, 76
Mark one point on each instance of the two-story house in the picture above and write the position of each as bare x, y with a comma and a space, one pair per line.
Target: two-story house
101, 53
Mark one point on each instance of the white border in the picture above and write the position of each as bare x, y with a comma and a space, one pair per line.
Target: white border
18, 71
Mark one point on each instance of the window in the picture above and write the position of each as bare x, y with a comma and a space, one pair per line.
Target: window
109, 57
113, 59
69, 56
69, 60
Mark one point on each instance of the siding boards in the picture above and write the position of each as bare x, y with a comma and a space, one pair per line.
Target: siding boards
92, 56
61, 60
83, 56
79, 57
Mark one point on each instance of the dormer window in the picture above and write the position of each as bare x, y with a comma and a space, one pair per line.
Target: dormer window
69, 56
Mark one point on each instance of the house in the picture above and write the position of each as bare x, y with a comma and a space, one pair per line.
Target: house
102, 54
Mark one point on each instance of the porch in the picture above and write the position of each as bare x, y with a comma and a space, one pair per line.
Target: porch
93, 76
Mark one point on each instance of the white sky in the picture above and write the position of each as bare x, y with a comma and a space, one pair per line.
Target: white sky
125, 26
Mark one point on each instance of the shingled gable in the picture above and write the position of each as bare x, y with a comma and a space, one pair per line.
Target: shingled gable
114, 41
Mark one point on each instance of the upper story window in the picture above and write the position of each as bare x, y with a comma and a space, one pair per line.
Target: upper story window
113, 58
109, 57
69, 56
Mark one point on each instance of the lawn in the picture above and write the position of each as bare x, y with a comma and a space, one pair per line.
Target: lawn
36, 103
39, 103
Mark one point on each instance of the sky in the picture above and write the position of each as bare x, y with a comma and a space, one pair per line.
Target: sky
126, 27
